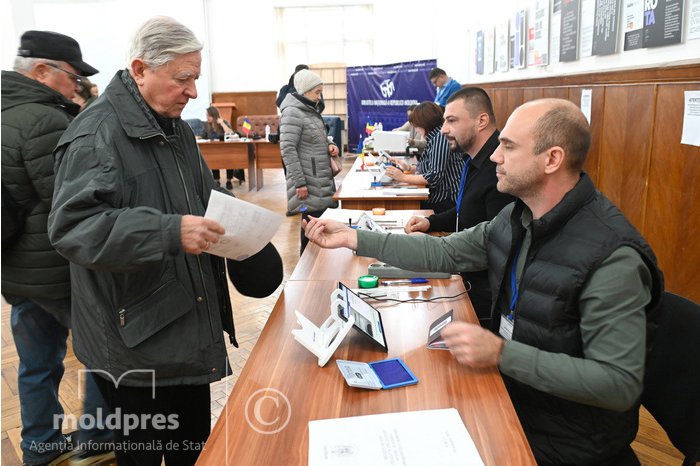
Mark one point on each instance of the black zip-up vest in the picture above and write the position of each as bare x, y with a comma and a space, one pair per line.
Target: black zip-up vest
568, 244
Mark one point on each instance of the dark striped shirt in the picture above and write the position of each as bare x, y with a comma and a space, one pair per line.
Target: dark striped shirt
441, 167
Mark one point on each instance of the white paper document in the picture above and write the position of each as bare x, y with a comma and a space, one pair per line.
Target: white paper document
691, 119
413, 438
405, 191
248, 227
586, 102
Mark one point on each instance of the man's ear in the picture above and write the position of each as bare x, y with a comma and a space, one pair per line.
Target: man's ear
40, 72
555, 159
483, 121
138, 70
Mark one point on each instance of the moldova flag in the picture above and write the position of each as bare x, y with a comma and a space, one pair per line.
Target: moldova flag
246, 126
369, 129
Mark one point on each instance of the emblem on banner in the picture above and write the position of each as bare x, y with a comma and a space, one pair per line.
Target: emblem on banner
387, 88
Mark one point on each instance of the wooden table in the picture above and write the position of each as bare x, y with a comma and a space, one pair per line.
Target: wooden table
343, 264
267, 155
230, 155
282, 388
355, 193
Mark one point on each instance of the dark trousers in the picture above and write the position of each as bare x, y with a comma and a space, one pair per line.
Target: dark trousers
304, 239
175, 424
240, 174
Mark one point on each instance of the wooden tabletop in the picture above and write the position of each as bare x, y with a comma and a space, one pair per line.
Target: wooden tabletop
282, 388
356, 193
233, 154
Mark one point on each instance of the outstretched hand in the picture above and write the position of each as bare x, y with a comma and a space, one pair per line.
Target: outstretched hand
330, 234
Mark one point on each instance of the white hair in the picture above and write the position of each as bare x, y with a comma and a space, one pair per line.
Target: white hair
25, 65
160, 40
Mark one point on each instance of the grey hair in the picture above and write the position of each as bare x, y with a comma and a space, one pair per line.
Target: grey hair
160, 40
25, 65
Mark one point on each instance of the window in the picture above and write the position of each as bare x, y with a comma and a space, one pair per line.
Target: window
324, 34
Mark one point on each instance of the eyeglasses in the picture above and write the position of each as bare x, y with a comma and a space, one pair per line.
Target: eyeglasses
76, 77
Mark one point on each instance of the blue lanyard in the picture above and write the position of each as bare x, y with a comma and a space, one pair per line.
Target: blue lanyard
514, 291
462, 186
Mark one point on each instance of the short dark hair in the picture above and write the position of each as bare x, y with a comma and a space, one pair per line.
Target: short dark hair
435, 72
564, 126
301, 67
85, 86
476, 100
427, 115
411, 107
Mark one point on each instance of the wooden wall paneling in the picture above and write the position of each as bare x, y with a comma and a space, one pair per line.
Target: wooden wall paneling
499, 99
597, 124
556, 92
515, 99
628, 114
673, 206
249, 103
532, 93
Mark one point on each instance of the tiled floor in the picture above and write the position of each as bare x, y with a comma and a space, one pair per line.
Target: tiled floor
652, 445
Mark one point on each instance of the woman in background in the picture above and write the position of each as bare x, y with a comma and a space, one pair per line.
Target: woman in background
215, 128
439, 168
414, 139
306, 151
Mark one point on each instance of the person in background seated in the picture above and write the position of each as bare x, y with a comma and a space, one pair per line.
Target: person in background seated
414, 139
439, 167
150, 305
445, 85
289, 88
305, 149
214, 129
470, 129
574, 287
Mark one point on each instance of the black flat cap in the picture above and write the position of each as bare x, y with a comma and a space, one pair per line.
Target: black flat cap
54, 46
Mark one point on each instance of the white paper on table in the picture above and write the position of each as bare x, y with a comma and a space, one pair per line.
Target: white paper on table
343, 215
413, 438
406, 191
586, 101
691, 119
248, 227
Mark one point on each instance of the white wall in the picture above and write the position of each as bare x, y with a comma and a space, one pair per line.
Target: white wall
241, 37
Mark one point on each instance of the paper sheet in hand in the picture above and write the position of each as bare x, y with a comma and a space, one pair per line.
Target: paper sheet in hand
413, 438
248, 227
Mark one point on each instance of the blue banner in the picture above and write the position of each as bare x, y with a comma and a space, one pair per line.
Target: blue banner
381, 94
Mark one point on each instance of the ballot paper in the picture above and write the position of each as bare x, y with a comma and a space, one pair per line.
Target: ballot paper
414, 438
248, 227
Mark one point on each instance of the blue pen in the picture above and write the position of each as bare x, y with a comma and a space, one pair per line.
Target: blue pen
409, 281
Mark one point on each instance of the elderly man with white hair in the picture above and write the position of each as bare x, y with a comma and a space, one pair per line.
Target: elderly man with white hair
150, 305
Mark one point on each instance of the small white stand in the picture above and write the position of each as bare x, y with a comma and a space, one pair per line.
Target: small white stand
323, 341
365, 222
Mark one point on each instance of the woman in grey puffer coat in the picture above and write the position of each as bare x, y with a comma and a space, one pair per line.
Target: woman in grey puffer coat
305, 149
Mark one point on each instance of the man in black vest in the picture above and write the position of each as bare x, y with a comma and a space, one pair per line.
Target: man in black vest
470, 128
574, 287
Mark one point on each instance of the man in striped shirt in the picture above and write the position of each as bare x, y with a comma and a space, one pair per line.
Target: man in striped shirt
470, 128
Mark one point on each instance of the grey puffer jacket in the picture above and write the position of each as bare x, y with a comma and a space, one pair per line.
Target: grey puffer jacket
304, 145
143, 309
34, 117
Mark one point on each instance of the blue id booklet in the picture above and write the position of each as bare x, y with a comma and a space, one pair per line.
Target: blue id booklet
389, 373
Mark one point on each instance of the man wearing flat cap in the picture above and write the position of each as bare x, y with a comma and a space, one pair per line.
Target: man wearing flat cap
36, 110
151, 305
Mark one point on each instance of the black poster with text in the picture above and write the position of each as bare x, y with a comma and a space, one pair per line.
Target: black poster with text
568, 48
663, 22
607, 18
